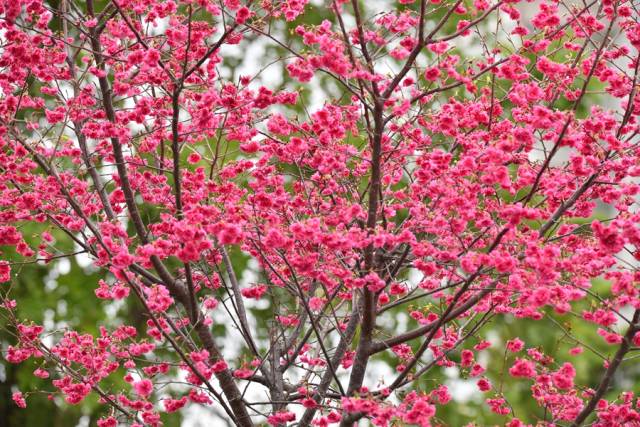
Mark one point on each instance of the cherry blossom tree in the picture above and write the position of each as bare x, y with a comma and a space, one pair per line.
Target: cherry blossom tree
465, 164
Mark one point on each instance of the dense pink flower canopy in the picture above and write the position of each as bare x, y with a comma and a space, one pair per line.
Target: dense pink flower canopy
458, 171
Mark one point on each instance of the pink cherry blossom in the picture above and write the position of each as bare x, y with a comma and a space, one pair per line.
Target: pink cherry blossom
304, 212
